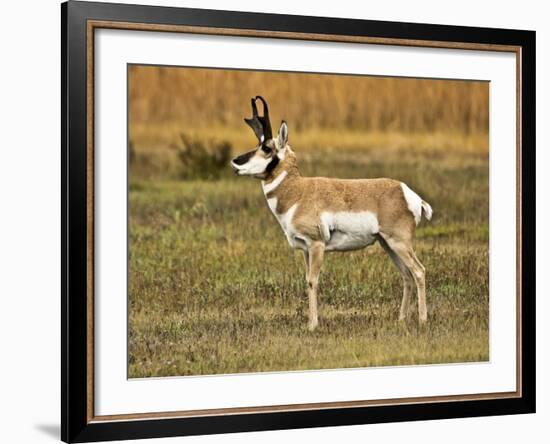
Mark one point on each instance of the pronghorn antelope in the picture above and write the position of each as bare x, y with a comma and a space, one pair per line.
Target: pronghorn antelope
319, 214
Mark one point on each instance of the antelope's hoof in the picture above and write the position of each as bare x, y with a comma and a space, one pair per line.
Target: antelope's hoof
312, 325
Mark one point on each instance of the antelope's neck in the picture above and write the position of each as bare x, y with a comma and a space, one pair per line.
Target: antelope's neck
279, 179
271, 186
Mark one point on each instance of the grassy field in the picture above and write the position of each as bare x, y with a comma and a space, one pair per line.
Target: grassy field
214, 287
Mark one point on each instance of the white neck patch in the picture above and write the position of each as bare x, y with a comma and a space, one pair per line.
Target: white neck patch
269, 187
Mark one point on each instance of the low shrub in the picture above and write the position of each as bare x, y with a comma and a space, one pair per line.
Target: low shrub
202, 159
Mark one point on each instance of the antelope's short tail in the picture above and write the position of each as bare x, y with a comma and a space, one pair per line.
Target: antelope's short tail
416, 205
427, 209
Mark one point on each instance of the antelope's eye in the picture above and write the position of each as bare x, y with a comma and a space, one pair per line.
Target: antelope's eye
266, 149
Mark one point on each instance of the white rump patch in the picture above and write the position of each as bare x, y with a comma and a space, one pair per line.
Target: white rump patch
343, 230
269, 187
414, 203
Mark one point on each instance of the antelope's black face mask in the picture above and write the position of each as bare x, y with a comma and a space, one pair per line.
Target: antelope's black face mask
259, 162
270, 151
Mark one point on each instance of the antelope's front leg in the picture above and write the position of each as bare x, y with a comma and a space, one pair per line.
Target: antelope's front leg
316, 253
306, 262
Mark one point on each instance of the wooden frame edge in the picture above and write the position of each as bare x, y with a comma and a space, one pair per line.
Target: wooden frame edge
304, 407
258, 33
105, 24
90, 184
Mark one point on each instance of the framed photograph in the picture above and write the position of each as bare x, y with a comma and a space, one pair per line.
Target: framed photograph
275, 221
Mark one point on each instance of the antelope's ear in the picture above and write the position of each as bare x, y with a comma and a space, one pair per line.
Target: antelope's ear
282, 136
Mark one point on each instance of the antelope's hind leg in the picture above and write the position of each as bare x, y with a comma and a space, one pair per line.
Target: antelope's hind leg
420, 279
408, 280
403, 249
315, 255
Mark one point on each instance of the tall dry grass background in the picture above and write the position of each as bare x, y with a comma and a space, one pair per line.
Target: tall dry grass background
323, 111
213, 285
208, 98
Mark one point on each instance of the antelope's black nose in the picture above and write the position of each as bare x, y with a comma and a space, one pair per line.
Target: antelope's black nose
243, 158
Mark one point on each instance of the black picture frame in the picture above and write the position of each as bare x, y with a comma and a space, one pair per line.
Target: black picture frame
76, 424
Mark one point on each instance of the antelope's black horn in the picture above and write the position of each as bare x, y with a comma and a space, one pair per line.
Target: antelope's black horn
256, 126
264, 103
266, 123
254, 108
254, 122
260, 125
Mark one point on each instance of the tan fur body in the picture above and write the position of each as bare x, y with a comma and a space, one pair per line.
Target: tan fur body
315, 195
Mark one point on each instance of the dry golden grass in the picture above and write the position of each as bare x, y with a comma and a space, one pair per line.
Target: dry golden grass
322, 110
163, 135
200, 97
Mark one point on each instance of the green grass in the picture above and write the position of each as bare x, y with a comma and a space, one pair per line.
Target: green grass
214, 287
